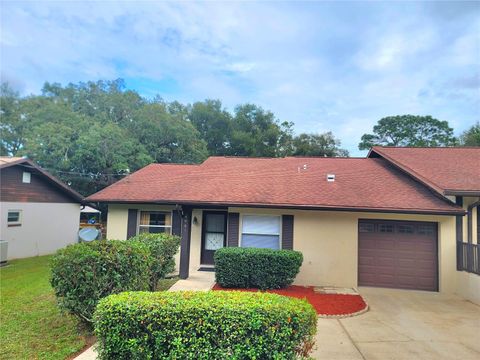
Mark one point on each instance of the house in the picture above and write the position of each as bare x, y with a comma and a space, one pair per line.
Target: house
39, 213
400, 218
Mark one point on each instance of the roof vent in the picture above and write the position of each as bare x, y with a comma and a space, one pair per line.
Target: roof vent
304, 167
330, 177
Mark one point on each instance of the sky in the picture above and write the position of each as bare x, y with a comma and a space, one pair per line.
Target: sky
326, 66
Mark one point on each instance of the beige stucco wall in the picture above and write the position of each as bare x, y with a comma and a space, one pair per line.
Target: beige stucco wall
329, 242
45, 228
468, 286
327, 239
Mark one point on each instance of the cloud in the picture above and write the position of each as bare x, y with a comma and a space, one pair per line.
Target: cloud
325, 66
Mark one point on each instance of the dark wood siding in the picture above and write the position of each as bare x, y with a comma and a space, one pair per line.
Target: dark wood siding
40, 189
478, 224
132, 223
287, 232
398, 254
176, 223
232, 229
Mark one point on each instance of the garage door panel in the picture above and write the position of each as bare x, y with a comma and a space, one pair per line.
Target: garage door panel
405, 258
385, 244
367, 244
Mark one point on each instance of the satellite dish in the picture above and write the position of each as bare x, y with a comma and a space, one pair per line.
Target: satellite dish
88, 234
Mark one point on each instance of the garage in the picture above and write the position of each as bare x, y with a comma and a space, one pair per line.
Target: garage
398, 254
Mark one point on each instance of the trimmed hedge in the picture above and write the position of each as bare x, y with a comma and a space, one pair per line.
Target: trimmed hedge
256, 268
204, 325
84, 273
163, 248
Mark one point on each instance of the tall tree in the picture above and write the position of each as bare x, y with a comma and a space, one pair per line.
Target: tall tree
409, 130
318, 145
107, 100
471, 137
105, 153
256, 132
166, 137
214, 125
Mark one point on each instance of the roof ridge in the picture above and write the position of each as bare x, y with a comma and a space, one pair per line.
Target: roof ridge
426, 147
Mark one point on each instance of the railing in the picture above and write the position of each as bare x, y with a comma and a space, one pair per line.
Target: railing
468, 257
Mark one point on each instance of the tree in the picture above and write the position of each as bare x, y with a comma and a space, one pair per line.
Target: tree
256, 132
471, 137
52, 135
167, 138
318, 145
409, 130
105, 153
214, 125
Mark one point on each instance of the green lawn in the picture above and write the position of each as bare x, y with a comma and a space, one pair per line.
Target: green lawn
31, 325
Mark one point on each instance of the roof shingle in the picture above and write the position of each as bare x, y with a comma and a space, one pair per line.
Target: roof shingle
444, 169
359, 184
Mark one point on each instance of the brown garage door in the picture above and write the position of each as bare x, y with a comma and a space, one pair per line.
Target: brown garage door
397, 254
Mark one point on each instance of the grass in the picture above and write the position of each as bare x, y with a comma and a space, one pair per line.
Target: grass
31, 325
165, 284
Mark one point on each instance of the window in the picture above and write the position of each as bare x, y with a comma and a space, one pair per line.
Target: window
14, 218
385, 228
155, 222
26, 177
426, 230
366, 227
405, 229
214, 231
261, 231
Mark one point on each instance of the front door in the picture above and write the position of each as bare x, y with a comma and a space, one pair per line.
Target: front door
214, 230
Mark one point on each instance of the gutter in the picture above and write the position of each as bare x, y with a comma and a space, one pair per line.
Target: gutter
189, 203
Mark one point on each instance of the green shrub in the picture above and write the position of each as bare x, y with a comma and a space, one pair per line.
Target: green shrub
163, 248
84, 273
258, 268
204, 325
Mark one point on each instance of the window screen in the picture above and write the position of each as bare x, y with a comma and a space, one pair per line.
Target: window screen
154, 222
261, 231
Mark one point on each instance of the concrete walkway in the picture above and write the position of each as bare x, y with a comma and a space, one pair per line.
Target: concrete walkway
197, 281
403, 324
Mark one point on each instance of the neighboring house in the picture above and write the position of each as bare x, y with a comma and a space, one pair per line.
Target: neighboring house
39, 213
371, 221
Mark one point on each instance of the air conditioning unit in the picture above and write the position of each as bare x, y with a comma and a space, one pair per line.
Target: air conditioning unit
3, 252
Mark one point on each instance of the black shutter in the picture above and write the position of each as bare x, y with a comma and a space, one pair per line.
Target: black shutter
176, 223
232, 228
287, 232
132, 223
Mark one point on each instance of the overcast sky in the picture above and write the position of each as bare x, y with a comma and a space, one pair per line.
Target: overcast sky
325, 66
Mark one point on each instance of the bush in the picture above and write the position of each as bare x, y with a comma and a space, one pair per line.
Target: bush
163, 248
204, 325
84, 273
258, 268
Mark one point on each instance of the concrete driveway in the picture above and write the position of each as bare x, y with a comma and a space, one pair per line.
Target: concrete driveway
403, 324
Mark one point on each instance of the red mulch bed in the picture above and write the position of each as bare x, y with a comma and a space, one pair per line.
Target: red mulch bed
324, 304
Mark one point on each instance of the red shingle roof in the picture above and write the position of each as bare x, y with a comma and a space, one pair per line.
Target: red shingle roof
371, 184
446, 170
